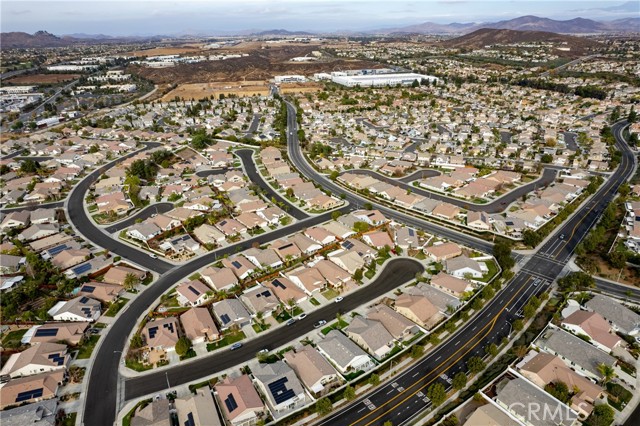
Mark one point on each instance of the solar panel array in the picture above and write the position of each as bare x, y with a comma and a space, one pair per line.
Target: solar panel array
82, 268
190, 421
87, 289
265, 293
411, 233
194, 291
58, 249
57, 359
347, 244
236, 264
225, 318
169, 326
279, 390
30, 394
87, 312
46, 332
152, 332
231, 403
84, 299
278, 283
286, 246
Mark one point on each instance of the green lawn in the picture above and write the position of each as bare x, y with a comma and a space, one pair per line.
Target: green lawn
11, 340
330, 294
190, 354
195, 276
619, 396
116, 306
493, 270
370, 273
137, 366
69, 419
84, 351
314, 301
286, 315
260, 328
337, 325
226, 340
99, 325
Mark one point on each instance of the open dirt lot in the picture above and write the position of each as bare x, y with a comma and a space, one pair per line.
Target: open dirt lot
41, 79
194, 49
300, 87
261, 64
204, 90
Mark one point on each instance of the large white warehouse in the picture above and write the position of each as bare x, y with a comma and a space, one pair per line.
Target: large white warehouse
406, 79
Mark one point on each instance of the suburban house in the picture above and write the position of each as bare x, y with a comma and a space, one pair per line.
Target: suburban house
309, 279
81, 308
371, 335
71, 332
463, 266
620, 317
198, 409
198, 325
593, 325
281, 387
162, 334
29, 389
260, 299
419, 309
240, 266
219, 278
193, 293
231, 312
345, 355
45, 357
103, 292
450, 284
397, 325
156, 413
285, 289
444, 251
240, 403
315, 372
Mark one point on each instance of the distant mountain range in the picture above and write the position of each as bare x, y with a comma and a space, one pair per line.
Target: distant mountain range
523, 23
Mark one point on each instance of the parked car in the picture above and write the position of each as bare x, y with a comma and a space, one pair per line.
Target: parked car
302, 316
291, 321
319, 324
236, 346
338, 299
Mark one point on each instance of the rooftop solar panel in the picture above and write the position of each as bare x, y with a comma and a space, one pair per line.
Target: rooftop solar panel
84, 299
169, 327
87, 289
236, 264
279, 390
30, 394
57, 359
194, 291
225, 319
152, 332
46, 332
231, 403
347, 244
411, 233
58, 249
278, 283
82, 268
190, 421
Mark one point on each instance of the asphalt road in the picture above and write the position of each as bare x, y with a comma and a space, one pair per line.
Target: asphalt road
397, 272
419, 174
254, 124
402, 399
13, 154
143, 214
496, 206
32, 206
246, 156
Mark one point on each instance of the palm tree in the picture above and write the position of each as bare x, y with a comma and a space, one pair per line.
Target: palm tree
292, 303
607, 372
130, 280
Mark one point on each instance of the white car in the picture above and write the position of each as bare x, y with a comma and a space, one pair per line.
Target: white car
153, 256
338, 299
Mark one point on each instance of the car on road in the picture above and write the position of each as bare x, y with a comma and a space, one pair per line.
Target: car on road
94, 330
302, 316
319, 324
236, 346
263, 351
338, 299
153, 256
562, 237
291, 321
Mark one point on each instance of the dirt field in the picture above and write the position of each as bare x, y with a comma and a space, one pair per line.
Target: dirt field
300, 87
261, 64
204, 90
41, 79
194, 49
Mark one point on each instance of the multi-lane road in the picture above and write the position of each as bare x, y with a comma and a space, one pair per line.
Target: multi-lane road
402, 399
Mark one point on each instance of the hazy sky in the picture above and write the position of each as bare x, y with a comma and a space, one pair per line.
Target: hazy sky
145, 17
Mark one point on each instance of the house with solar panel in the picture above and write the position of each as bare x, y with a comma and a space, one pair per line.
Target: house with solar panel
260, 299
104, 292
240, 266
239, 401
407, 238
180, 244
286, 290
162, 334
198, 409
45, 357
81, 308
91, 267
231, 313
263, 258
193, 293
70, 332
280, 386
25, 390
57, 248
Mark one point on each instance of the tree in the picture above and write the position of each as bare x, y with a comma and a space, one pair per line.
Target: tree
607, 373
130, 281
437, 394
546, 158
324, 406
492, 349
451, 420
417, 351
518, 325
374, 380
136, 341
633, 115
528, 311
335, 214
475, 364
183, 345
576, 281
357, 275
29, 166
531, 238
349, 393
602, 415
502, 253
459, 381
559, 389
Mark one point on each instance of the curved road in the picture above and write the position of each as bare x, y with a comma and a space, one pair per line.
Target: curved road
143, 214
496, 206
